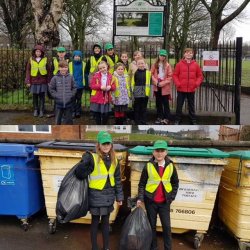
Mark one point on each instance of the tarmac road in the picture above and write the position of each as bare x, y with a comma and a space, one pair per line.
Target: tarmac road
76, 236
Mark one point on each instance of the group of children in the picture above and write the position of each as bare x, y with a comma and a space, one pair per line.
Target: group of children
113, 81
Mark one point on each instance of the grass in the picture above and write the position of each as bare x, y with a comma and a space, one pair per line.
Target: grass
128, 137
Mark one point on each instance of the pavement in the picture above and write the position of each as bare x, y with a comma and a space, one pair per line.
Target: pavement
77, 236
203, 118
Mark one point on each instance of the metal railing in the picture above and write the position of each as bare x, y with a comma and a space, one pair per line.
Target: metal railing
215, 95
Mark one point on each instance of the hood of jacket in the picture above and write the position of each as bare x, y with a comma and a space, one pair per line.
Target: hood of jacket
77, 53
38, 47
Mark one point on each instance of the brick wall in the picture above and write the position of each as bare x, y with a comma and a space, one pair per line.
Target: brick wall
62, 132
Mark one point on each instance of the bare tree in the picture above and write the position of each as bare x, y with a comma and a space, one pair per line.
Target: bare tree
17, 18
47, 17
216, 9
185, 15
82, 18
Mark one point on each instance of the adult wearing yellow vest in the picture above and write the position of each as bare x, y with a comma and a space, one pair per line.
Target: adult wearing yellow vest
157, 188
37, 78
105, 186
92, 64
110, 57
77, 69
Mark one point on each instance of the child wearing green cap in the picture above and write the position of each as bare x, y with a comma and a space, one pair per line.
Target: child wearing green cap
103, 170
110, 57
157, 189
161, 78
61, 56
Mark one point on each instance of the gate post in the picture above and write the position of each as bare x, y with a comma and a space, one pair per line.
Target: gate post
238, 73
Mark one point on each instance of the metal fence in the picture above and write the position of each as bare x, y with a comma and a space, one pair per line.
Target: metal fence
217, 93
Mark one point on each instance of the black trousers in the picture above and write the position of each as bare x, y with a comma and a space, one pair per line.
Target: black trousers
162, 105
38, 101
78, 102
163, 209
140, 110
105, 231
101, 118
181, 96
66, 114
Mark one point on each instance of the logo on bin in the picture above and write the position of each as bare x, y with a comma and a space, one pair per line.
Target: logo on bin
6, 175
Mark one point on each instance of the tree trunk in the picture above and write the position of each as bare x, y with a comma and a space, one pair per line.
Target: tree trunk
46, 30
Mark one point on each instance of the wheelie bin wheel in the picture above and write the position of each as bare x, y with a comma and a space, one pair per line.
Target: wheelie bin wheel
52, 226
198, 238
25, 224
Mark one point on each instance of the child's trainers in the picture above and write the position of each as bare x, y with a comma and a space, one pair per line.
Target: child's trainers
158, 121
165, 121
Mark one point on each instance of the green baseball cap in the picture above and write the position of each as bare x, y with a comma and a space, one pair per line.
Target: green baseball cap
163, 52
104, 137
108, 46
61, 49
160, 144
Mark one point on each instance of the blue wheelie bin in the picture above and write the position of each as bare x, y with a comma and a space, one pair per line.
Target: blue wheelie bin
21, 192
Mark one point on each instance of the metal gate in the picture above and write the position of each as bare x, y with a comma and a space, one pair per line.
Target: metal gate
220, 91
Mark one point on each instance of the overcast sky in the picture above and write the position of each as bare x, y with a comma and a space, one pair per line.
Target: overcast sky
242, 29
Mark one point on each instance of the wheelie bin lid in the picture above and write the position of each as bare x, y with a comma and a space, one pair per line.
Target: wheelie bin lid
17, 150
77, 146
179, 151
243, 154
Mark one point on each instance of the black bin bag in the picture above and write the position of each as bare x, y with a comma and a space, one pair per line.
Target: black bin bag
136, 232
72, 198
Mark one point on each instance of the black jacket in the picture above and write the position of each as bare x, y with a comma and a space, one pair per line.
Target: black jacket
107, 196
144, 178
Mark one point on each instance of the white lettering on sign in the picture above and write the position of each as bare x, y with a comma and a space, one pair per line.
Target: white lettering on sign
57, 180
189, 193
211, 61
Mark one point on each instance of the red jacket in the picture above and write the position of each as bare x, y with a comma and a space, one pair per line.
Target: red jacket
166, 82
187, 76
101, 97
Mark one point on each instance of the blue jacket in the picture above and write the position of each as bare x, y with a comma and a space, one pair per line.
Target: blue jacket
78, 69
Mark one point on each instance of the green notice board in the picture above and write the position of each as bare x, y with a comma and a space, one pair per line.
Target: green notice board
155, 24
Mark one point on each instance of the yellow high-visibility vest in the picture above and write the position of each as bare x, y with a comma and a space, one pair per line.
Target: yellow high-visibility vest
38, 66
94, 64
98, 177
111, 63
154, 178
148, 81
56, 66
83, 69
117, 89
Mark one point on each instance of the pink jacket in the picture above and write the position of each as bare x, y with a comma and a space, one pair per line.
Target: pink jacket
97, 95
187, 76
166, 82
